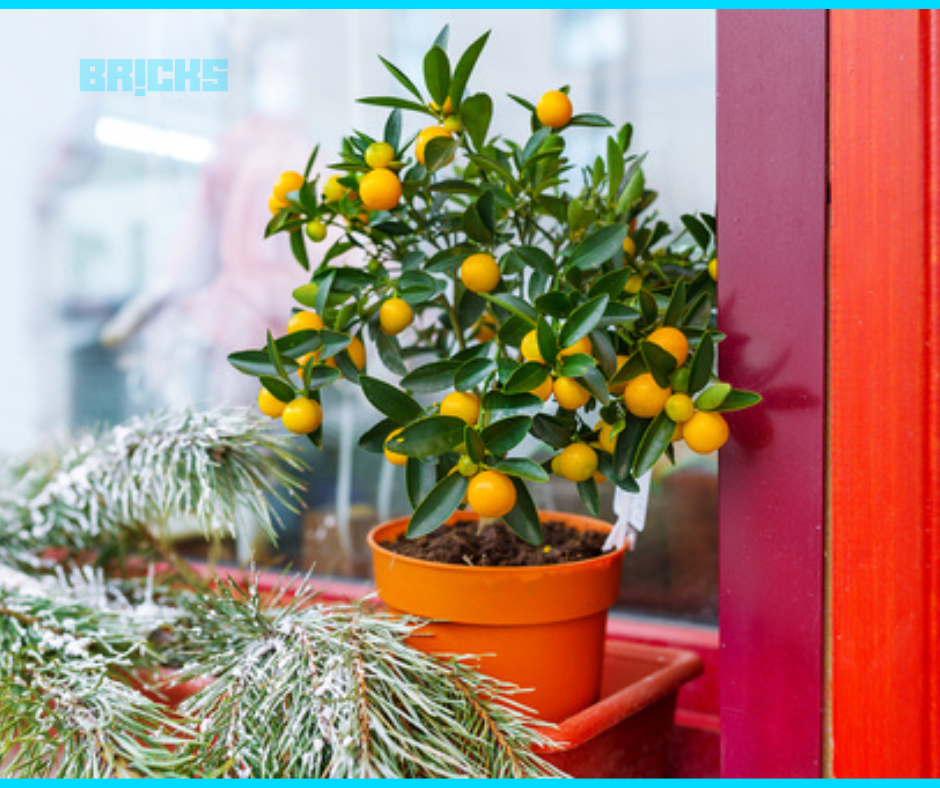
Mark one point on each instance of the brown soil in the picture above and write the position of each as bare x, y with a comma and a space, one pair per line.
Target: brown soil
494, 544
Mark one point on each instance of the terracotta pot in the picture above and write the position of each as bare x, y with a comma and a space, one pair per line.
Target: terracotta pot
538, 627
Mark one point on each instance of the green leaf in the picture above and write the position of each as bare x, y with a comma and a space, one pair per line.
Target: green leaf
628, 442
347, 366
554, 304
374, 438
697, 230
522, 468
475, 227
523, 103
614, 167
632, 191
333, 343
429, 437
591, 120
389, 400
275, 357
513, 330
465, 68
576, 365
316, 376
583, 320
524, 517
633, 366
594, 381
660, 362
598, 247
534, 258
308, 197
513, 304
323, 293
611, 283
703, 361
713, 397
604, 352
472, 373
395, 103
738, 399
476, 113
279, 388
504, 435
504, 405
587, 490
420, 478
257, 363
551, 431
392, 133
438, 505
534, 144
656, 440
439, 152
527, 377
389, 352
437, 74
436, 376
476, 448
299, 248
403, 80
676, 305
548, 345
648, 306
310, 162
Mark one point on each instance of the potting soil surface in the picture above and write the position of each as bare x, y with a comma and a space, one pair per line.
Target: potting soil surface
493, 544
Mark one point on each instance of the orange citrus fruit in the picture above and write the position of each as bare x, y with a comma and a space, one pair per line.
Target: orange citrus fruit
304, 321
713, 269
634, 284
394, 457
333, 190
673, 341
617, 388
491, 494
530, 347
288, 182
583, 345
570, 394
705, 432
395, 316
605, 437
577, 462
270, 405
302, 416
463, 405
379, 155
380, 190
644, 397
629, 246
554, 109
544, 390
480, 273
679, 408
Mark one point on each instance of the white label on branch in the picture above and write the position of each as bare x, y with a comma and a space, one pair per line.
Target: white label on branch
630, 509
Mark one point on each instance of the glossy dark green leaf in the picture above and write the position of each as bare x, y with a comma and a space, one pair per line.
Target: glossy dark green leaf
597, 248
310, 162
438, 505
475, 227
299, 247
523, 520
697, 230
703, 361
523, 102
473, 372
574, 366
257, 363
402, 79
392, 132
274, 356
660, 363
476, 448
551, 431
555, 304
583, 321
633, 366
395, 103
534, 144
429, 437
464, 69
628, 442
699, 312
278, 388
632, 192
325, 286
476, 113
436, 376
513, 304
504, 435
374, 438
587, 490
534, 258
522, 468
606, 467
604, 352
548, 344
389, 351
439, 152
676, 305
656, 439
591, 120
316, 376
437, 74
347, 367
513, 330
501, 405
420, 478
612, 283
446, 261
527, 377
391, 401
648, 307
738, 399
333, 343
594, 381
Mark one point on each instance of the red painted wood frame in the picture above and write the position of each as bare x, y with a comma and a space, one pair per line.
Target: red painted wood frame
772, 107
884, 394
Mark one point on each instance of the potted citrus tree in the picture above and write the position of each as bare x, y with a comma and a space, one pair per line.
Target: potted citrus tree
537, 319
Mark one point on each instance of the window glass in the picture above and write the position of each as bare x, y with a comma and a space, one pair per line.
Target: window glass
132, 224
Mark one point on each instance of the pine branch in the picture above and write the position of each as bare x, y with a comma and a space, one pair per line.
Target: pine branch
223, 468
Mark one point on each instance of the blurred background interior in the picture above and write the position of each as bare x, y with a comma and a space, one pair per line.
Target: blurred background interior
133, 261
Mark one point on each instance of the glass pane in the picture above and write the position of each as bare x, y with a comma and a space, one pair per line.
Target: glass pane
134, 261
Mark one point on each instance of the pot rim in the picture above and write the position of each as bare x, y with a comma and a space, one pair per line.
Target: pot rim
593, 523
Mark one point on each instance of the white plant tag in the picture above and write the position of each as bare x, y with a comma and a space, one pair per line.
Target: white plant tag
630, 509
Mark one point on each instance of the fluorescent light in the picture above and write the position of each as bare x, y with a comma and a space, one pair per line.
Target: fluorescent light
143, 138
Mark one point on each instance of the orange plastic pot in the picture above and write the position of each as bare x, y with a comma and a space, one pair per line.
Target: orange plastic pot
541, 628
